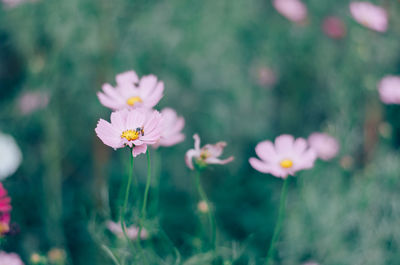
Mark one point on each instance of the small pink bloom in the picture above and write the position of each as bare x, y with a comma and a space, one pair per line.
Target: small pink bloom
171, 126
389, 89
131, 231
5, 209
284, 158
13, 3
135, 128
208, 154
131, 93
370, 15
29, 102
10, 259
324, 145
334, 28
266, 76
293, 10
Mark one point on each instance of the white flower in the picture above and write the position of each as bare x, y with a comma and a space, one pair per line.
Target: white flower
10, 156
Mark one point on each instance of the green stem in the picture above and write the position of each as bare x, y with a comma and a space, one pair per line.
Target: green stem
123, 210
211, 218
278, 225
145, 197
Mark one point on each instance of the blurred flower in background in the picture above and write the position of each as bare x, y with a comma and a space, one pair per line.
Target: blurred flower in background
324, 145
293, 10
10, 156
30, 101
5, 208
208, 154
310, 263
171, 126
13, 3
57, 256
202, 206
286, 157
266, 77
132, 231
389, 89
134, 128
334, 27
132, 93
10, 259
370, 15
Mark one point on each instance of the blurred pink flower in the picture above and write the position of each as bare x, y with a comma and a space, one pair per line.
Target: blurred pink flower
266, 76
132, 93
10, 259
370, 15
171, 126
13, 3
208, 154
131, 231
5, 208
284, 158
389, 89
293, 10
28, 102
324, 145
334, 28
134, 128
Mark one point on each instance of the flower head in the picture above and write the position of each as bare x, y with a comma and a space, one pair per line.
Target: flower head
131, 93
389, 89
324, 145
10, 259
293, 10
135, 128
29, 102
5, 209
334, 28
285, 157
131, 231
208, 154
10, 156
171, 126
370, 15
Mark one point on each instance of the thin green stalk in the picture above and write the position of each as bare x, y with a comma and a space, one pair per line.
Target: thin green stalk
123, 210
110, 254
278, 225
211, 218
145, 197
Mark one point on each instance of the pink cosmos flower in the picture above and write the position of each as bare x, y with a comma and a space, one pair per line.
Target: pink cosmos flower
324, 145
131, 231
334, 28
284, 158
28, 102
208, 154
293, 10
132, 93
370, 15
5, 208
389, 89
171, 127
135, 128
10, 259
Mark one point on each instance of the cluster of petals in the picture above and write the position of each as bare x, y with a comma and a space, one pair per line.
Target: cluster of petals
131, 231
325, 146
294, 10
171, 127
369, 15
134, 128
10, 156
130, 92
389, 89
5, 208
10, 259
284, 157
208, 154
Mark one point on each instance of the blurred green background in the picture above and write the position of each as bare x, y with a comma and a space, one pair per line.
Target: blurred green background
211, 56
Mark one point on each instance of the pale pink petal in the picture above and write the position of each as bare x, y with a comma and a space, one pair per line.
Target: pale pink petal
108, 134
215, 150
214, 160
266, 151
137, 150
192, 153
196, 138
284, 143
300, 145
129, 77
370, 15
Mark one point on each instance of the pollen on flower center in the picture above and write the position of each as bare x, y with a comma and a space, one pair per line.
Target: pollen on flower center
204, 155
130, 135
133, 100
286, 163
4, 228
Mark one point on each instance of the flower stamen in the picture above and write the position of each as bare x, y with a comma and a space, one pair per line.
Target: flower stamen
130, 135
286, 163
133, 100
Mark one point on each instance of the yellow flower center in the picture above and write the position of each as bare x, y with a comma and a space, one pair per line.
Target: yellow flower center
204, 155
286, 163
133, 100
4, 228
130, 135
